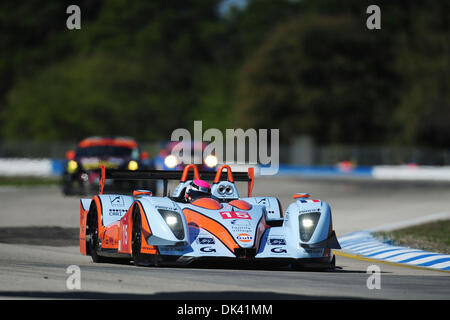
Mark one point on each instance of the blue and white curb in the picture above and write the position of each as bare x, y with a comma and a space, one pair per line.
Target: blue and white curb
363, 243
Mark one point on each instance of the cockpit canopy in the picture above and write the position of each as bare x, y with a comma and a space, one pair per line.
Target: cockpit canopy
221, 190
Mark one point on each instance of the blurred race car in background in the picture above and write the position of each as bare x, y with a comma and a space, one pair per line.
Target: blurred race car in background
81, 171
167, 160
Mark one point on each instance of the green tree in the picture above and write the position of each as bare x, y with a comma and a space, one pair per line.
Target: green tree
423, 60
133, 71
319, 75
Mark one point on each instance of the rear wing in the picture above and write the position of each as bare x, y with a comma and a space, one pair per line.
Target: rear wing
182, 176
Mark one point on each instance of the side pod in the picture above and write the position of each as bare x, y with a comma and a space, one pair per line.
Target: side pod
125, 228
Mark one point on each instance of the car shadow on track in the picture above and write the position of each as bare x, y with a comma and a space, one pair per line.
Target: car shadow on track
232, 266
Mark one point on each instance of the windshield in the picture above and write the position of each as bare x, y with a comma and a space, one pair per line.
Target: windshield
107, 151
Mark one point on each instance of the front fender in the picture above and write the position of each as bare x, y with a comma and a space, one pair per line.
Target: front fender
323, 235
161, 232
84, 210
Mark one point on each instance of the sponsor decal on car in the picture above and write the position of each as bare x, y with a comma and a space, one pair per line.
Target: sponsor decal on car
262, 201
117, 212
244, 237
309, 200
205, 240
310, 210
207, 249
235, 215
241, 225
278, 250
116, 201
276, 241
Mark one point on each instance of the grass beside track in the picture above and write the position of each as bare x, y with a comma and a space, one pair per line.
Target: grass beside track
433, 236
29, 181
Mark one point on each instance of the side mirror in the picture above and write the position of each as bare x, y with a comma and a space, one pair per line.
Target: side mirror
70, 155
144, 155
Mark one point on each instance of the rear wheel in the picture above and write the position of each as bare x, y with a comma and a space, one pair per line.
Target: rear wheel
139, 258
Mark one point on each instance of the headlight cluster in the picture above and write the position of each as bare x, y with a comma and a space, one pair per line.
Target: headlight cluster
171, 161
72, 166
211, 161
133, 165
173, 220
308, 223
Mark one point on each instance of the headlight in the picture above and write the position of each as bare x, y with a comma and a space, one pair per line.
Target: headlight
171, 161
211, 161
173, 220
308, 223
133, 165
72, 166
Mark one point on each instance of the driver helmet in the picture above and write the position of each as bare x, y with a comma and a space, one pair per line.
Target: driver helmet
197, 189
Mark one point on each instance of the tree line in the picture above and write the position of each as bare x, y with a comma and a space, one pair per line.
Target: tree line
145, 68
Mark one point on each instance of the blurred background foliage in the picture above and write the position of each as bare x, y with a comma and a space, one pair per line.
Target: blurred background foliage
144, 68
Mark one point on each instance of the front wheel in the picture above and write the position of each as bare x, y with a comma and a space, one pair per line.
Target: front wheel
139, 258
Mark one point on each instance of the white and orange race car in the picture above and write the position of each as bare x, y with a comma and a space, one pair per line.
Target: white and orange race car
150, 230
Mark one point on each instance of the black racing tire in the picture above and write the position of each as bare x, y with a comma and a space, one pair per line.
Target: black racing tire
333, 264
67, 190
67, 187
92, 231
139, 258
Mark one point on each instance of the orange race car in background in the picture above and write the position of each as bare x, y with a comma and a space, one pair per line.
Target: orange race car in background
166, 160
81, 169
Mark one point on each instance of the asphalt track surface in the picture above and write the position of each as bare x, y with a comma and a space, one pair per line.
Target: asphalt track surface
38, 242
